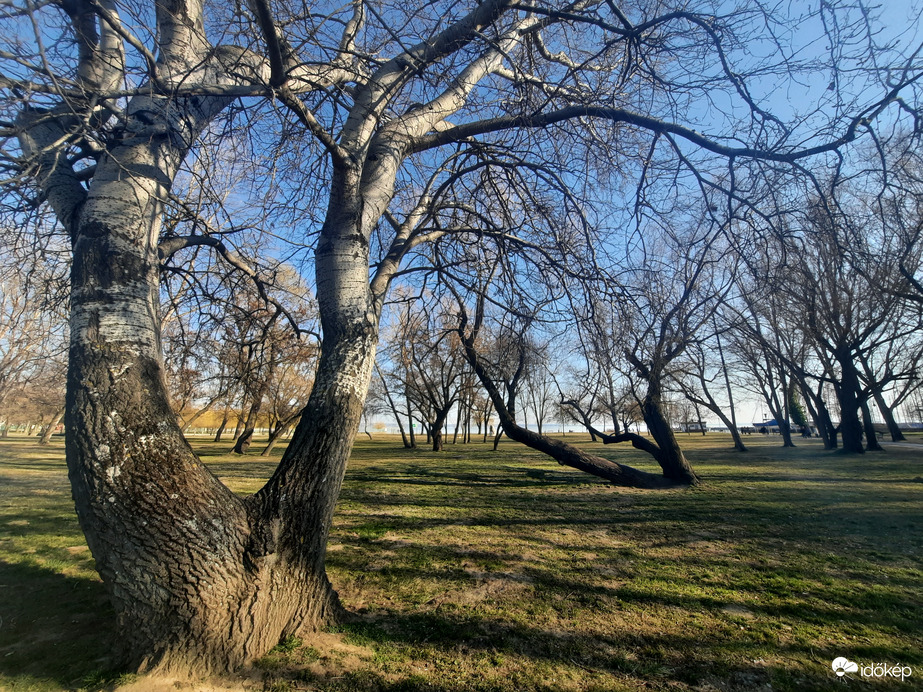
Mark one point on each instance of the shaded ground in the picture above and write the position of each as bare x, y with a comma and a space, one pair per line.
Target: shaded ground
470, 570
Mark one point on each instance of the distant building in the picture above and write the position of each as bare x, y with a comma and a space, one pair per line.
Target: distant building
691, 426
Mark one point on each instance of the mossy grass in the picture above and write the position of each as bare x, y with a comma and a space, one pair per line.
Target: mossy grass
474, 570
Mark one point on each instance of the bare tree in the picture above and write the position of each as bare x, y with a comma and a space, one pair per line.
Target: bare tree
700, 379
105, 103
294, 379
540, 392
428, 362
568, 455
384, 391
31, 346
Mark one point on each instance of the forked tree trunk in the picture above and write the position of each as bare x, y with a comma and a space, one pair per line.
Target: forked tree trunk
201, 580
670, 455
847, 389
437, 427
174, 547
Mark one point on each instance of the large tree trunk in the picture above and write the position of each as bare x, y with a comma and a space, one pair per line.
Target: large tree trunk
178, 552
670, 456
847, 393
437, 427
201, 580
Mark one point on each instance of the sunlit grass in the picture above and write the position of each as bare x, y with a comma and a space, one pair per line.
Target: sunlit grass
475, 570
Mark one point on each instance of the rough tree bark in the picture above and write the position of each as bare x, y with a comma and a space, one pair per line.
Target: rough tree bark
200, 579
670, 455
438, 424
183, 558
847, 393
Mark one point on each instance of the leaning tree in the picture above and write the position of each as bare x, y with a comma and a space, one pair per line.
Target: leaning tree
106, 102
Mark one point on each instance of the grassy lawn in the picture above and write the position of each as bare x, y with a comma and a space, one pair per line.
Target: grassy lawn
471, 570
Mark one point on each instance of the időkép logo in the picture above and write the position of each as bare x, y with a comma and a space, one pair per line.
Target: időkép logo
842, 665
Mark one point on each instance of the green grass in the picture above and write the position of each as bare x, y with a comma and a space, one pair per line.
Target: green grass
471, 570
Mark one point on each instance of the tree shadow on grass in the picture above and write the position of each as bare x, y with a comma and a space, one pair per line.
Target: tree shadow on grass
491, 648
722, 656
54, 629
